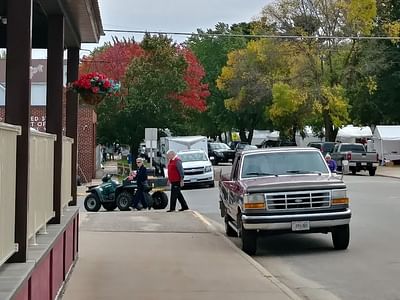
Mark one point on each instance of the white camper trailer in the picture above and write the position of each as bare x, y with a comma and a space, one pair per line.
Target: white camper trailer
386, 140
350, 133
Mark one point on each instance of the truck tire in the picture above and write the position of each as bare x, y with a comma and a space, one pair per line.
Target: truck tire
124, 201
248, 237
353, 171
228, 228
92, 203
341, 237
109, 206
372, 172
160, 200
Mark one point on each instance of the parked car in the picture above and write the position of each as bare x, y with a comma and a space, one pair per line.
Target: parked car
220, 152
197, 168
324, 147
250, 147
283, 190
240, 146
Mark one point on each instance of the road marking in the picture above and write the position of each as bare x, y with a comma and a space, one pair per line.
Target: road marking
203, 219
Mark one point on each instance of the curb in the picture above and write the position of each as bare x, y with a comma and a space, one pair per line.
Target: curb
213, 228
389, 176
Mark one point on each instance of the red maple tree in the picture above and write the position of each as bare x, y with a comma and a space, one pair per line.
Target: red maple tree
196, 93
113, 59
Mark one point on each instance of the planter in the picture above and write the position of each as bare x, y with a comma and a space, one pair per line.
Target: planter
91, 99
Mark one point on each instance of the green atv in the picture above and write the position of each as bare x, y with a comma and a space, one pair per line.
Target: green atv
111, 194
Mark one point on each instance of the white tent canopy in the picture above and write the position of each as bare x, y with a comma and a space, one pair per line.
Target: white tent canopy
387, 132
387, 142
350, 132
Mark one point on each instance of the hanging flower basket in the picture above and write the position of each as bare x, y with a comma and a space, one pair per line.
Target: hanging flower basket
91, 99
94, 87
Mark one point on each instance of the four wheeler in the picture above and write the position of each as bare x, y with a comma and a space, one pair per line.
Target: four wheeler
111, 194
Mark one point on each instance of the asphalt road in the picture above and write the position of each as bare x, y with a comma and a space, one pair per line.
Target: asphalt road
307, 263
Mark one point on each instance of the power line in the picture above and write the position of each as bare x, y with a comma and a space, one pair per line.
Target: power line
265, 36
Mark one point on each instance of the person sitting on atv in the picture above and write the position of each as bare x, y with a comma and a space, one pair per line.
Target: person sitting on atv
141, 181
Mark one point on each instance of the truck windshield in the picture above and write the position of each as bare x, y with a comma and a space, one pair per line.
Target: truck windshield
353, 148
282, 163
193, 156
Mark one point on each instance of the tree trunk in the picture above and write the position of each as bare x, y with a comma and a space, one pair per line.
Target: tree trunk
293, 138
250, 137
329, 133
242, 134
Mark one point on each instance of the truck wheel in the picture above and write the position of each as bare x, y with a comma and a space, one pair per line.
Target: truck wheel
92, 203
372, 172
109, 206
341, 237
248, 237
228, 228
124, 201
160, 200
353, 171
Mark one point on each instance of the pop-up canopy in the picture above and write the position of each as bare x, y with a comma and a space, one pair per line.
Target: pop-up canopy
387, 142
387, 132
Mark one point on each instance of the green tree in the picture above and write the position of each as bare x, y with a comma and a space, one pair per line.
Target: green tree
212, 52
248, 78
325, 65
157, 94
289, 110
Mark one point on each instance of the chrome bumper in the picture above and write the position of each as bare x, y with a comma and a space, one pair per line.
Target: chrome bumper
284, 222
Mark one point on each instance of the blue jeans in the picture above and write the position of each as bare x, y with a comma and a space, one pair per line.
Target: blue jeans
139, 197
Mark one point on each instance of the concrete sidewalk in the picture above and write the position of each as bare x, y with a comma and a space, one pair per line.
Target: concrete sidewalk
388, 171
158, 255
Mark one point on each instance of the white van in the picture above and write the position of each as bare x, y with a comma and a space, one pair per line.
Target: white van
197, 167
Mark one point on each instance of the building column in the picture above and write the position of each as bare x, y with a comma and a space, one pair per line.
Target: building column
72, 116
18, 102
54, 109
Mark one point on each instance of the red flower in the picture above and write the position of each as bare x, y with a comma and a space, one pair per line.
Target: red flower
95, 89
106, 84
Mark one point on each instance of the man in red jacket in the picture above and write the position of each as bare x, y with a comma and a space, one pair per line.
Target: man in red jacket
175, 177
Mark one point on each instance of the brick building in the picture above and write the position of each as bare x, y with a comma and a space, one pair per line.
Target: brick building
87, 118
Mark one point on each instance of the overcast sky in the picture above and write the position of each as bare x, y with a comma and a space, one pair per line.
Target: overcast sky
172, 16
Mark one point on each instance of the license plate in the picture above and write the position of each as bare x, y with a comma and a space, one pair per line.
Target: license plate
193, 180
363, 164
300, 225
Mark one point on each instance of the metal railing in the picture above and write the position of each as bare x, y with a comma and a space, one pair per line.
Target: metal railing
8, 153
66, 195
41, 173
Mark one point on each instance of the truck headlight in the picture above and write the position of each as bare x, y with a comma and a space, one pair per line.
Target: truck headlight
254, 201
207, 169
339, 197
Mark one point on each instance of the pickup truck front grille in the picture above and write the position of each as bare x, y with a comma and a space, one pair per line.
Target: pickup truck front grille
194, 171
298, 200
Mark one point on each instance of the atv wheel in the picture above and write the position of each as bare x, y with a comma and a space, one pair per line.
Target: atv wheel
160, 200
109, 206
92, 203
124, 201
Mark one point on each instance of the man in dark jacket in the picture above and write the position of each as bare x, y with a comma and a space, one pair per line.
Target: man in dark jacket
175, 177
141, 178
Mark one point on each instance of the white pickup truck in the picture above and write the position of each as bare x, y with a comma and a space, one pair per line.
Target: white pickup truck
356, 155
